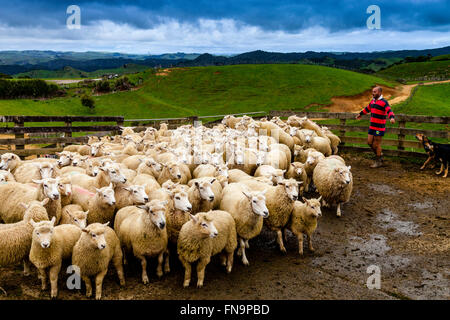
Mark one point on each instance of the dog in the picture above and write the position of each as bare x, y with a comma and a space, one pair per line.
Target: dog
436, 151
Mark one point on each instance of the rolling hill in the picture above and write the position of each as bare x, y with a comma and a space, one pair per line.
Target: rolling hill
418, 71
213, 90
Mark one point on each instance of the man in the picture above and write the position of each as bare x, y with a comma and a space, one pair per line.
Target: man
378, 108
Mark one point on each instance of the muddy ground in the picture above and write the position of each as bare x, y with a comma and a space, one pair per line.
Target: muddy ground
397, 219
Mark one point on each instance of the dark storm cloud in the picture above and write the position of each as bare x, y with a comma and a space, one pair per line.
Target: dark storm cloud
284, 15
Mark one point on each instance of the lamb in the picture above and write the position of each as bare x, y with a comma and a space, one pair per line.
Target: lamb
127, 195
6, 176
275, 175
49, 246
204, 194
13, 193
173, 171
297, 171
101, 204
248, 208
303, 220
96, 247
280, 203
143, 231
74, 214
15, 238
205, 235
333, 181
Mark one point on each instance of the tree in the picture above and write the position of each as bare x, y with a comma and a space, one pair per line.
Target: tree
88, 101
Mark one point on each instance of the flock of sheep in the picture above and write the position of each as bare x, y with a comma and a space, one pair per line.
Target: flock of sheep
203, 191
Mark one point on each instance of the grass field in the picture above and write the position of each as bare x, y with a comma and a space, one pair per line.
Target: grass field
417, 70
213, 90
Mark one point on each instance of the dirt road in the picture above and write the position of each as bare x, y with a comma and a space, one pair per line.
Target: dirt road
357, 102
397, 219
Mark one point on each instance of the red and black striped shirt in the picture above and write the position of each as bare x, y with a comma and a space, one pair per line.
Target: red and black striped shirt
378, 110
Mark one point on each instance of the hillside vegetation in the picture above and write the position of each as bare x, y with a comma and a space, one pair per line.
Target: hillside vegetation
418, 71
212, 90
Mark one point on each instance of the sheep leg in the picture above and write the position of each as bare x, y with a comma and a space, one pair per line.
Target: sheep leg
26, 267
54, 271
246, 244
230, 257
285, 235
244, 257
446, 172
43, 277
117, 261
440, 170
280, 241
223, 259
167, 263
310, 243
201, 266
338, 210
159, 269
307, 183
88, 286
144, 269
300, 243
99, 283
187, 272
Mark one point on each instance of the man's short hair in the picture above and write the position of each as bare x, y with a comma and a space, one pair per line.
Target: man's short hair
379, 88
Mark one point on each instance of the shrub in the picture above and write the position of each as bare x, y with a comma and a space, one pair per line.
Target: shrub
102, 86
36, 88
88, 101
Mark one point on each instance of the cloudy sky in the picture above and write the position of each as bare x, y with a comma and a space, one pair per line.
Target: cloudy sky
223, 26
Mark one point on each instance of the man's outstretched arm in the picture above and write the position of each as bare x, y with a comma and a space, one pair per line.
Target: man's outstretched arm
390, 114
366, 110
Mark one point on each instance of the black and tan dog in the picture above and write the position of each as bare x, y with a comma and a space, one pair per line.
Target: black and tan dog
437, 151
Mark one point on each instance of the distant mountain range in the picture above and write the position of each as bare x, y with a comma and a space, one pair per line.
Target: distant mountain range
14, 62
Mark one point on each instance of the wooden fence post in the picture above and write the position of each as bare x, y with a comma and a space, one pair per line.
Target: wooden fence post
18, 123
401, 137
119, 124
194, 120
342, 131
67, 134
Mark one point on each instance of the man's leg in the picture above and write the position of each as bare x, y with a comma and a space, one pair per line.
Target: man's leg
376, 147
370, 141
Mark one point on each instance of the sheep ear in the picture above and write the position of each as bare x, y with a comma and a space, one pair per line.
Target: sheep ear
24, 205
248, 195
300, 182
142, 206
85, 230
320, 198
111, 185
194, 218
98, 190
37, 181
86, 212
45, 201
305, 200
264, 192
213, 180
349, 167
33, 223
106, 224
127, 188
53, 221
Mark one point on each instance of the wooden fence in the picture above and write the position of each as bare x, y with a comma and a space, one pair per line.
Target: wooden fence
38, 135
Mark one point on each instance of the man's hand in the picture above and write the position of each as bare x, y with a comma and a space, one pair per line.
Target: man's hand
392, 120
358, 117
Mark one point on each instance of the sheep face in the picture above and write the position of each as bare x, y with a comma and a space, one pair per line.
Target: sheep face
107, 195
114, 174
222, 170
204, 225
174, 171
95, 235
156, 210
46, 169
50, 187
291, 188
65, 188
293, 131
216, 158
3, 176
137, 193
95, 148
92, 170
43, 232
258, 202
298, 150
204, 187
181, 201
239, 156
79, 217
79, 161
64, 159
277, 176
344, 174
312, 160
313, 207
9, 161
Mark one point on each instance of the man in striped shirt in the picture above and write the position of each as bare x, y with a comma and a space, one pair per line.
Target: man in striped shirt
379, 108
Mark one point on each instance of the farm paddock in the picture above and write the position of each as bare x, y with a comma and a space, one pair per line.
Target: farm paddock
397, 219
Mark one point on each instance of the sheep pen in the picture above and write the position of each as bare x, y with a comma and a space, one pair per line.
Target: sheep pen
396, 220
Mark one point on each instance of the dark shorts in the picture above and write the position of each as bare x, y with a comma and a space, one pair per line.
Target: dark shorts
376, 132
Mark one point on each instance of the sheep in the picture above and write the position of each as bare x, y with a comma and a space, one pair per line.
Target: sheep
277, 133
303, 220
275, 175
74, 214
205, 235
297, 171
204, 194
248, 208
65, 191
10, 161
133, 162
34, 170
147, 181
65, 158
174, 171
96, 247
280, 203
70, 170
127, 195
143, 231
15, 238
49, 246
13, 193
177, 213
230, 121
310, 164
83, 150
333, 181
108, 173
283, 148
149, 166
277, 159
334, 139
236, 175
101, 204
321, 144
6, 176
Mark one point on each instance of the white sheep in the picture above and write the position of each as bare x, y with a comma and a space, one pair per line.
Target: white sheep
142, 230
6, 176
275, 175
205, 235
128, 195
74, 214
96, 247
49, 246
108, 173
248, 208
297, 171
204, 194
333, 181
101, 204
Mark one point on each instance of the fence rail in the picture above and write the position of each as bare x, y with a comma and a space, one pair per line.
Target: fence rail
37, 134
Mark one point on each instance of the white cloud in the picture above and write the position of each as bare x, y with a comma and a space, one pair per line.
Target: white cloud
214, 36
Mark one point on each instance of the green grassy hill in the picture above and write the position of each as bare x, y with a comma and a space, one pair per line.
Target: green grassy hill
417, 71
212, 90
